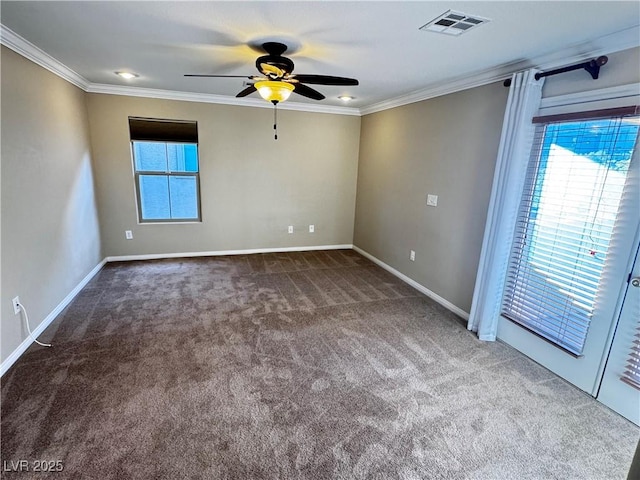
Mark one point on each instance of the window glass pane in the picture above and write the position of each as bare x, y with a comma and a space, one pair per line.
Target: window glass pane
174, 195
191, 157
154, 197
184, 197
183, 157
150, 156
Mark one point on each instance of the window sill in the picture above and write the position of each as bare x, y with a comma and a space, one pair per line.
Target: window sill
163, 222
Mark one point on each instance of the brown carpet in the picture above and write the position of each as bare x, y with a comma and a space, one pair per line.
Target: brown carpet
310, 365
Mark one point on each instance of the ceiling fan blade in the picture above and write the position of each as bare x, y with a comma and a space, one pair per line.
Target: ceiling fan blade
309, 92
218, 76
250, 89
325, 80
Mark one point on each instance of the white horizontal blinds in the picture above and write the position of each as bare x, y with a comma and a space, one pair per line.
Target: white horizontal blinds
574, 182
631, 374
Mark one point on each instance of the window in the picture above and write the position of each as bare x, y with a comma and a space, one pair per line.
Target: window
166, 170
574, 183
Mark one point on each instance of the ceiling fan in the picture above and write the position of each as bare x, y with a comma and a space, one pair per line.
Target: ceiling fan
277, 80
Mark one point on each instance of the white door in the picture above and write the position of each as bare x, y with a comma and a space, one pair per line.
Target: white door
620, 388
575, 239
582, 370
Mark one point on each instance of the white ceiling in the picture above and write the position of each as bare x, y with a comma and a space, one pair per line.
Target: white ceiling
377, 42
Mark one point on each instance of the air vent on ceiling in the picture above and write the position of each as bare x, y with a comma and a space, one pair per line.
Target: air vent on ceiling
454, 23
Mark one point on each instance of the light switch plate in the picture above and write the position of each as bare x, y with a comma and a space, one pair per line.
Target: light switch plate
432, 200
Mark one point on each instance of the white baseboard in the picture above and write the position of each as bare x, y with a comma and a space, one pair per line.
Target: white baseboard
421, 288
11, 359
218, 253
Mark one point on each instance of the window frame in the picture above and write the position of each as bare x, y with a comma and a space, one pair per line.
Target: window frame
137, 173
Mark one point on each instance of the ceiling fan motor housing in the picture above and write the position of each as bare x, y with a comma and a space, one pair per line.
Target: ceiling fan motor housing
274, 57
282, 63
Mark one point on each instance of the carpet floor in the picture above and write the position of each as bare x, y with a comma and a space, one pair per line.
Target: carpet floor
308, 365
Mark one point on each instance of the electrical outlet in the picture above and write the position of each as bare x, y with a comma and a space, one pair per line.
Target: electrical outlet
290, 229
16, 305
432, 200
128, 234
412, 256
312, 228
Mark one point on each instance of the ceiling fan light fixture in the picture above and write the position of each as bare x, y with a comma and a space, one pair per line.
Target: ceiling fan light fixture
274, 91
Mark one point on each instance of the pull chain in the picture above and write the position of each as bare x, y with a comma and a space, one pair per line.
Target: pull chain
275, 120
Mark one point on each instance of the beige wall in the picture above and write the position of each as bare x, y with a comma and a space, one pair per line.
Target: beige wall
252, 186
50, 234
445, 146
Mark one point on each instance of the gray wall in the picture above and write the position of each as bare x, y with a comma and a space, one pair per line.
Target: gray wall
445, 146
252, 186
50, 235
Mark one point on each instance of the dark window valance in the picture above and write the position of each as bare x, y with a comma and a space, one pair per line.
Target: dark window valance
589, 115
151, 129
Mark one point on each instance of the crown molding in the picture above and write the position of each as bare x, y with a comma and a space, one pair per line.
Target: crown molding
212, 98
623, 40
15, 42
23, 47
616, 42
440, 89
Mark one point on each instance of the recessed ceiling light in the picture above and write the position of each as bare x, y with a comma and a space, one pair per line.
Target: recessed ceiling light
127, 75
346, 98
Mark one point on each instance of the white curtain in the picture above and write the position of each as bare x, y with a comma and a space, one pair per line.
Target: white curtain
508, 181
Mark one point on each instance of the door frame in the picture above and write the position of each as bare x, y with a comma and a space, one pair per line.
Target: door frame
634, 262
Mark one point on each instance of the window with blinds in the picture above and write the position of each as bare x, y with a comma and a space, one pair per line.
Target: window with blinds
631, 374
574, 183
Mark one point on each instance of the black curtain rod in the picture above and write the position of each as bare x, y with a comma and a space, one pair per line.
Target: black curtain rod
592, 66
